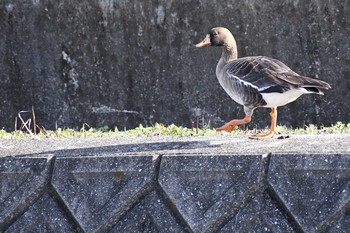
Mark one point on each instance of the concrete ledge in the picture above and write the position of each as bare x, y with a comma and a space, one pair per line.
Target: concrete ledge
197, 184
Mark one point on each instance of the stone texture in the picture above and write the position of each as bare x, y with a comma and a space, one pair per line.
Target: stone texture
22, 181
151, 214
206, 188
209, 184
342, 225
122, 63
202, 145
314, 188
45, 215
97, 191
261, 214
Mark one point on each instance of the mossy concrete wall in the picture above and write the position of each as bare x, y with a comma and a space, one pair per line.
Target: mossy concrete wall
203, 184
122, 63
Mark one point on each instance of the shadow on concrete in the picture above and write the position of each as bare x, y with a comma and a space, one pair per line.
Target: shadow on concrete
153, 148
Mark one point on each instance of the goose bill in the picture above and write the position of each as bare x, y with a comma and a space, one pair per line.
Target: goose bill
204, 43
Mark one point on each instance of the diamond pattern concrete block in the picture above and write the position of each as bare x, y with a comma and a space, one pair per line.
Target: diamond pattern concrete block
97, 189
262, 214
152, 215
312, 187
204, 188
21, 182
44, 216
342, 225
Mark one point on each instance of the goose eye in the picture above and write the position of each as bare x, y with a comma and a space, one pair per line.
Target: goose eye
213, 35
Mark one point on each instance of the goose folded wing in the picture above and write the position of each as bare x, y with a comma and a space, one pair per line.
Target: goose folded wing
269, 75
260, 73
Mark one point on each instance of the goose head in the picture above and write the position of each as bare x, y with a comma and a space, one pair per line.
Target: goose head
220, 36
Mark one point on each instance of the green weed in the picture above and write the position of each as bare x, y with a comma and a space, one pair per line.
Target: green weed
162, 130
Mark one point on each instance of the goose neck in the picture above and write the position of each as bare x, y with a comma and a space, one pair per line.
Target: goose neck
229, 53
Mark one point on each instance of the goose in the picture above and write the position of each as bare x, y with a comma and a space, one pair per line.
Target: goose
256, 81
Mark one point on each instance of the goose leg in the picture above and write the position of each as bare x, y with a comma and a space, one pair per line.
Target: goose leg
272, 131
232, 125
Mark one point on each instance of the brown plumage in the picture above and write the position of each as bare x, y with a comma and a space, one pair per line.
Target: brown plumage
257, 81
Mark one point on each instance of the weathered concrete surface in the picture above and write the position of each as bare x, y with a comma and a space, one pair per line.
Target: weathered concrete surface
150, 214
235, 145
45, 215
96, 189
88, 61
314, 188
208, 189
166, 184
22, 182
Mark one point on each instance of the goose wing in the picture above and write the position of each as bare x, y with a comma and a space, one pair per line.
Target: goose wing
268, 75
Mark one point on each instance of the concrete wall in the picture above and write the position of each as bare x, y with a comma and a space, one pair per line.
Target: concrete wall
171, 184
122, 63
183, 193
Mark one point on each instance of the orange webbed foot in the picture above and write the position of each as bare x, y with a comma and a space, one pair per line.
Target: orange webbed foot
270, 134
232, 125
227, 128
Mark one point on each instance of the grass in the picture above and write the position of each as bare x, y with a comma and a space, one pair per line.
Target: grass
162, 130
